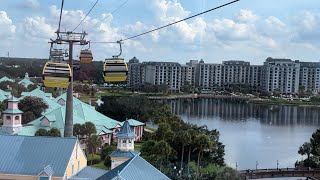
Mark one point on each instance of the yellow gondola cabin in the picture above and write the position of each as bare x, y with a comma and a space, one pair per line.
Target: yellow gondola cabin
56, 75
86, 56
115, 70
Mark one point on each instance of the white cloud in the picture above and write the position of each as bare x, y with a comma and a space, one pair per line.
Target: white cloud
246, 16
38, 28
7, 29
308, 27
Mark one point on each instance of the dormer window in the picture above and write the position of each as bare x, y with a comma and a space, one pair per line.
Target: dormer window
124, 141
16, 118
8, 117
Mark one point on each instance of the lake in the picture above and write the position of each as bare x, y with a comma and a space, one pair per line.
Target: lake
253, 134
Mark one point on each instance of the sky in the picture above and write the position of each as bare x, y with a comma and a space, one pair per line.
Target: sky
249, 30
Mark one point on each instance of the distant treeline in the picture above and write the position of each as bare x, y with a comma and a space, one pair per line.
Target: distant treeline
17, 67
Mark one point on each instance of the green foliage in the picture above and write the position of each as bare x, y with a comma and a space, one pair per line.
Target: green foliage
15, 88
32, 87
150, 88
41, 132
28, 117
82, 130
54, 132
305, 149
106, 150
315, 143
148, 147
315, 99
94, 142
136, 107
93, 159
3, 106
33, 104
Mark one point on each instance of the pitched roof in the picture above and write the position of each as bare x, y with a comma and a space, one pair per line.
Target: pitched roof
12, 111
5, 78
29, 155
88, 173
125, 131
134, 168
134, 122
13, 99
124, 154
37, 92
26, 82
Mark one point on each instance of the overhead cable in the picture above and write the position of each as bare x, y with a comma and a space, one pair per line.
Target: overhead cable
156, 29
86, 15
115, 10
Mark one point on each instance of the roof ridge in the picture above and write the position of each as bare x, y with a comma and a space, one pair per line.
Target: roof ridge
152, 165
130, 160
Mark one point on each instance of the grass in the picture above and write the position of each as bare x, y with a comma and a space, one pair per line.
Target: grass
137, 146
150, 129
101, 166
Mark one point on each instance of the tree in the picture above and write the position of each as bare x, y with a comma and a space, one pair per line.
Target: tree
184, 138
27, 117
78, 130
89, 128
32, 87
315, 142
54, 132
147, 148
202, 142
33, 104
162, 149
3, 106
41, 132
305, 149
15, 88
94, 142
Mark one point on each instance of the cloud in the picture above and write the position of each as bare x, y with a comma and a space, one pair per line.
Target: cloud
7, 29
38, 28
246, 16
308, 27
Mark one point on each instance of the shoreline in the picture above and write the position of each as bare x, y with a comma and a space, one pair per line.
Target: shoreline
247, 99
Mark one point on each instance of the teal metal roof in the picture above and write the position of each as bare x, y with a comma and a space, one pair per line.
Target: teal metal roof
26, 82
4, 95
12, 111
124, 154
28, 155
88, 173
13, 99
5, 78
36, 92
125, 131
133, 169
134, 122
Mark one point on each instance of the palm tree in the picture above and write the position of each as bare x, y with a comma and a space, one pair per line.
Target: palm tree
191, 143
163, 150
202, 142
94, 142
184, 138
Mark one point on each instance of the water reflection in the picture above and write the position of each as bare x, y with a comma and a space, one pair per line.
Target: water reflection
253, 132
240, 111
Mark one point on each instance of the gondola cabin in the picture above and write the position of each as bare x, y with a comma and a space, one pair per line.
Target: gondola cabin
115, 70
86, 56
56, 75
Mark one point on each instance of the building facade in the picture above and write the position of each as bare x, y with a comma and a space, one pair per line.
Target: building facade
275, 75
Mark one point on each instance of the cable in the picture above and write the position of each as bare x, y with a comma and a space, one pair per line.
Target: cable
109, 14
86, 15
180, 20
60, 15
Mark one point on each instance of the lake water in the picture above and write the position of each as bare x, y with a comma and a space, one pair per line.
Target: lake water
253, 134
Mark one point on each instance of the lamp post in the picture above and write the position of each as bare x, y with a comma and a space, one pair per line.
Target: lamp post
277, 165
256, 165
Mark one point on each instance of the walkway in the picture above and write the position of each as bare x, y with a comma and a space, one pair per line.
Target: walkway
276, 173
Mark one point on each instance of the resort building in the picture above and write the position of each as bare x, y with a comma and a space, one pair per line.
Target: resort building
54, 117
40, 158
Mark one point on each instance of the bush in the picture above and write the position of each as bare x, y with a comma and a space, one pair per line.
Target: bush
93, 159
107, 161
106, 150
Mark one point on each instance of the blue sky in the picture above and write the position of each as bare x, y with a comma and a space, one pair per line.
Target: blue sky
249, 30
